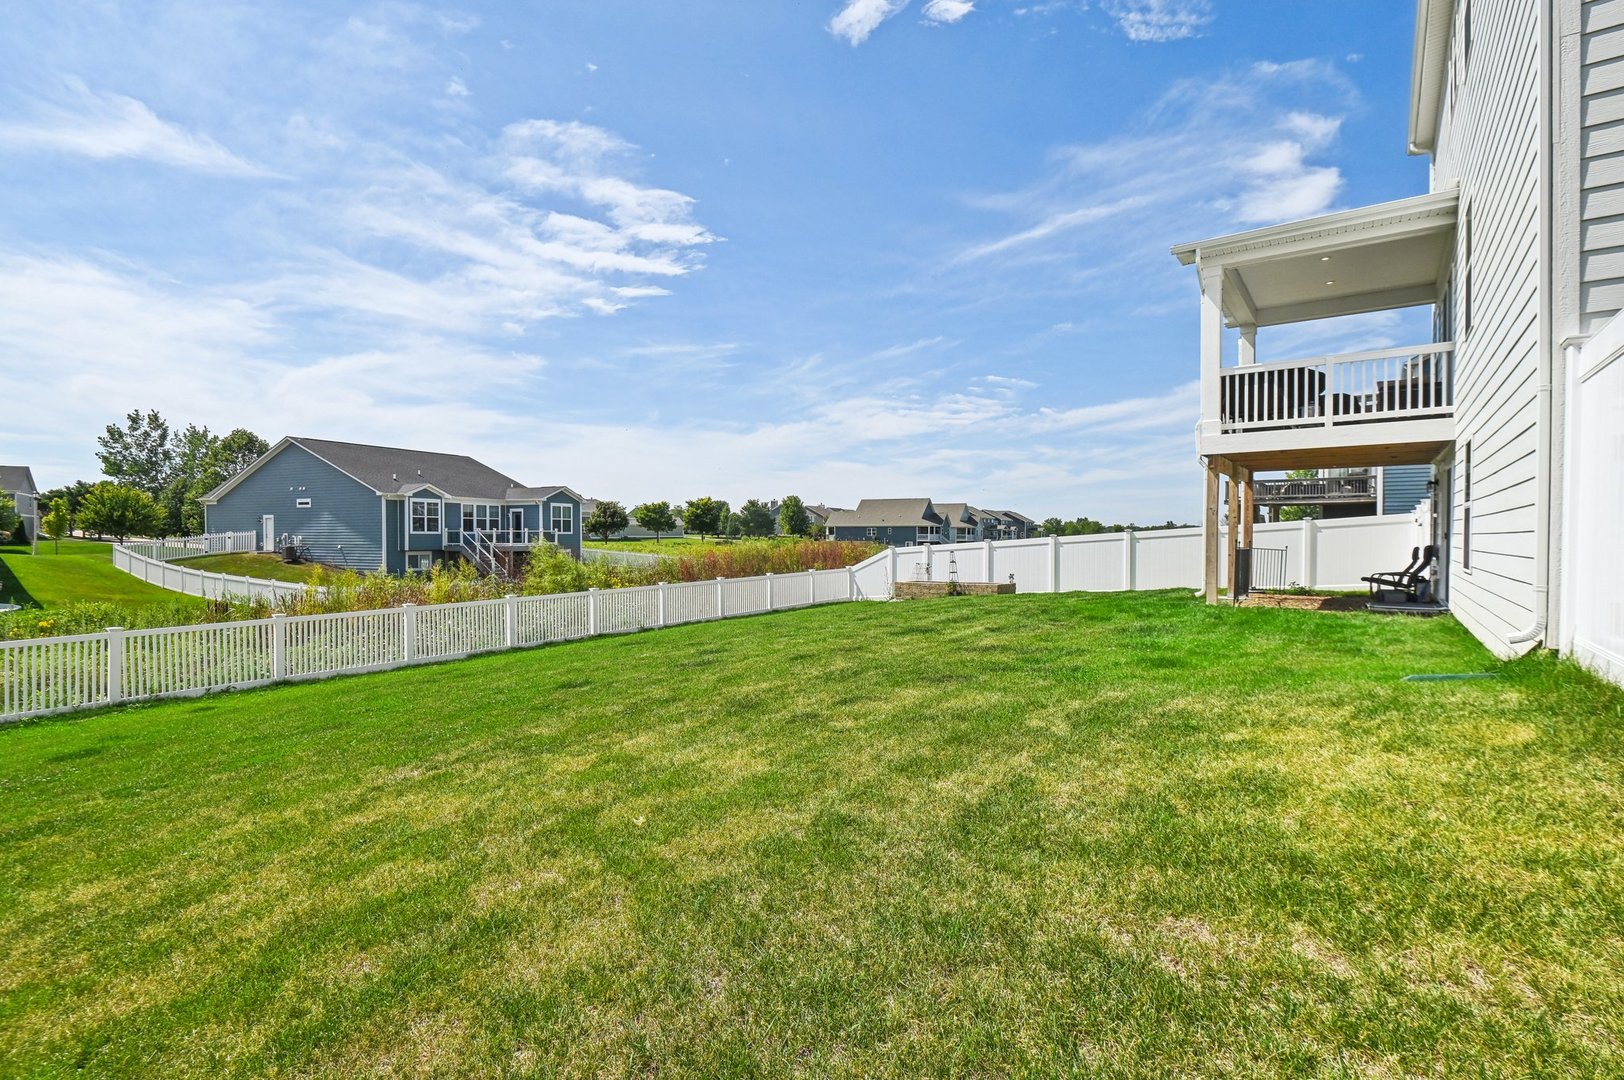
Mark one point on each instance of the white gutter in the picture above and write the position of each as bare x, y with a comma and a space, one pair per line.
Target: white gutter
1544, 444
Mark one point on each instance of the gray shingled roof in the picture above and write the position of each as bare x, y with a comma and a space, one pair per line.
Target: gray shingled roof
394, 470
901, 512
17, 478
957, 513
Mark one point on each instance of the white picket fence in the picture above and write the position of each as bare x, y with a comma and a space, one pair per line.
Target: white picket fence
619, 558
153, 562
48, 675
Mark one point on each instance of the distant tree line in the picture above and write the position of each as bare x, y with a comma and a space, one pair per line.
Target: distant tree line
703, 516
1087, 526
156, 479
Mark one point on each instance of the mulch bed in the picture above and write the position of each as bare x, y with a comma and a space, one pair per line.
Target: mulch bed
1306, 603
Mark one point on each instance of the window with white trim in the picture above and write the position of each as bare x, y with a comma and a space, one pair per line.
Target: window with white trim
925, 532
562, 517
1463, 276
481, 517
425, 515
1466, 508
419, 562
872, 532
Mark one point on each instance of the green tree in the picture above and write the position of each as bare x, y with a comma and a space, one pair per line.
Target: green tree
57, 522
1053, 527
755, 518
735, 526
120, 512
1301, 513
10, 520
656, 517
223, 459
73, 494
606, 518
705, 516
191, 450
140, 454
793, 520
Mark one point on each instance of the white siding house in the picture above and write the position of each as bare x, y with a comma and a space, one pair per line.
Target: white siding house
1518, 401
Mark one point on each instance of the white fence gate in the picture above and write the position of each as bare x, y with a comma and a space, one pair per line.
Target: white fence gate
1593, 600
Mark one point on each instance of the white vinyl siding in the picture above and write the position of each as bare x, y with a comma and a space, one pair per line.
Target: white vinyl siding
1489, 142
1601, 149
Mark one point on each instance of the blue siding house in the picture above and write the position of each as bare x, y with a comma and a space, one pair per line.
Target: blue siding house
384, 508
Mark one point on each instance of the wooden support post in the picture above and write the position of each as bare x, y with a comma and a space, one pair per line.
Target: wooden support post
1209, 535
1248, 507
1234, 536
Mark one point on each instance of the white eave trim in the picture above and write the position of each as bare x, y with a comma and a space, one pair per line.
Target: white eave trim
1362, 224
1429, 67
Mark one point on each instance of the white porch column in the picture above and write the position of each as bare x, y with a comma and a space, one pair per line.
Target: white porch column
1248, 354
1212, 345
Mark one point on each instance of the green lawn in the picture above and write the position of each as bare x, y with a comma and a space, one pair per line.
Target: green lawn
270, 567
81, 570
1035, 835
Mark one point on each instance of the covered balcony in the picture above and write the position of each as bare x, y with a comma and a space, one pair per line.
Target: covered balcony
1361, 409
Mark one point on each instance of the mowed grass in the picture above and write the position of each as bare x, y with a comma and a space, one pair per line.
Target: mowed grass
244, 564
1036, 835
80, 570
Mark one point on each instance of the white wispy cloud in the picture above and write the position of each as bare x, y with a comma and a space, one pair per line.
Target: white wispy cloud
456, 88
860, 18
1159, 20
948, 11
99, 125
1246, 147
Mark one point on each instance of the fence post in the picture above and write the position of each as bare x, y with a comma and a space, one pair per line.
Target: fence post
408, 633
893, 568
115, 663
721, 601
279, 646
851, 584
1310, 553
1054, 564
592, 612
772, 603
1128, 541
659, 603
990, 576
510, 608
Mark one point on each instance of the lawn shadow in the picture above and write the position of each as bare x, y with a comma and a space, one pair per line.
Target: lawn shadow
12, 590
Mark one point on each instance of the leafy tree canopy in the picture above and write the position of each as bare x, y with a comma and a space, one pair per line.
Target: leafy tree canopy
607, 518
705, 516
755, 518
656, 517
120, 511
793, 520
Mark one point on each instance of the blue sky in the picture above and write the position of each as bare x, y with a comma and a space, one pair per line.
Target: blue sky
838, 248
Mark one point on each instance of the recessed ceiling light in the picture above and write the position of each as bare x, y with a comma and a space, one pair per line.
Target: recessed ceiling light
1325, 258
1330, 283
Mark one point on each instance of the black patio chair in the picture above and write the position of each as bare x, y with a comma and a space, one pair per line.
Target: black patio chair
1407, 580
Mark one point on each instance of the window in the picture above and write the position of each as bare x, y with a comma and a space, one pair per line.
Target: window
1463, 273
425, 516
924, 532
562, 518
872, 532
1466, 509
301, 504
419, 562
481, 517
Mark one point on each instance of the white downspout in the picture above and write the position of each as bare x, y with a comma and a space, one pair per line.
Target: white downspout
1544, 445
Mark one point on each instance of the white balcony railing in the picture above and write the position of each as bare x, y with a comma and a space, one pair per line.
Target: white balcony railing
1332, 391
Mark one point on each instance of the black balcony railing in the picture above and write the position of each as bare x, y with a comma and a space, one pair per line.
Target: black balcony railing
1320, 489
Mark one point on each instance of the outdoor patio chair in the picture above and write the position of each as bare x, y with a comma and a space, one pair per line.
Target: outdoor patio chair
1407, 580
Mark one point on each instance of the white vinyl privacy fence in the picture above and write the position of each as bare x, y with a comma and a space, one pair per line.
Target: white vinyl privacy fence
153, 561
1331, 554
1593, 573
47, 675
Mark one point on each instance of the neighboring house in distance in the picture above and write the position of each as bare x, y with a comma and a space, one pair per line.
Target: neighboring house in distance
1345, 493
898, 522
384, 508
17, 481
1009, 525
632, 531
1515, 401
